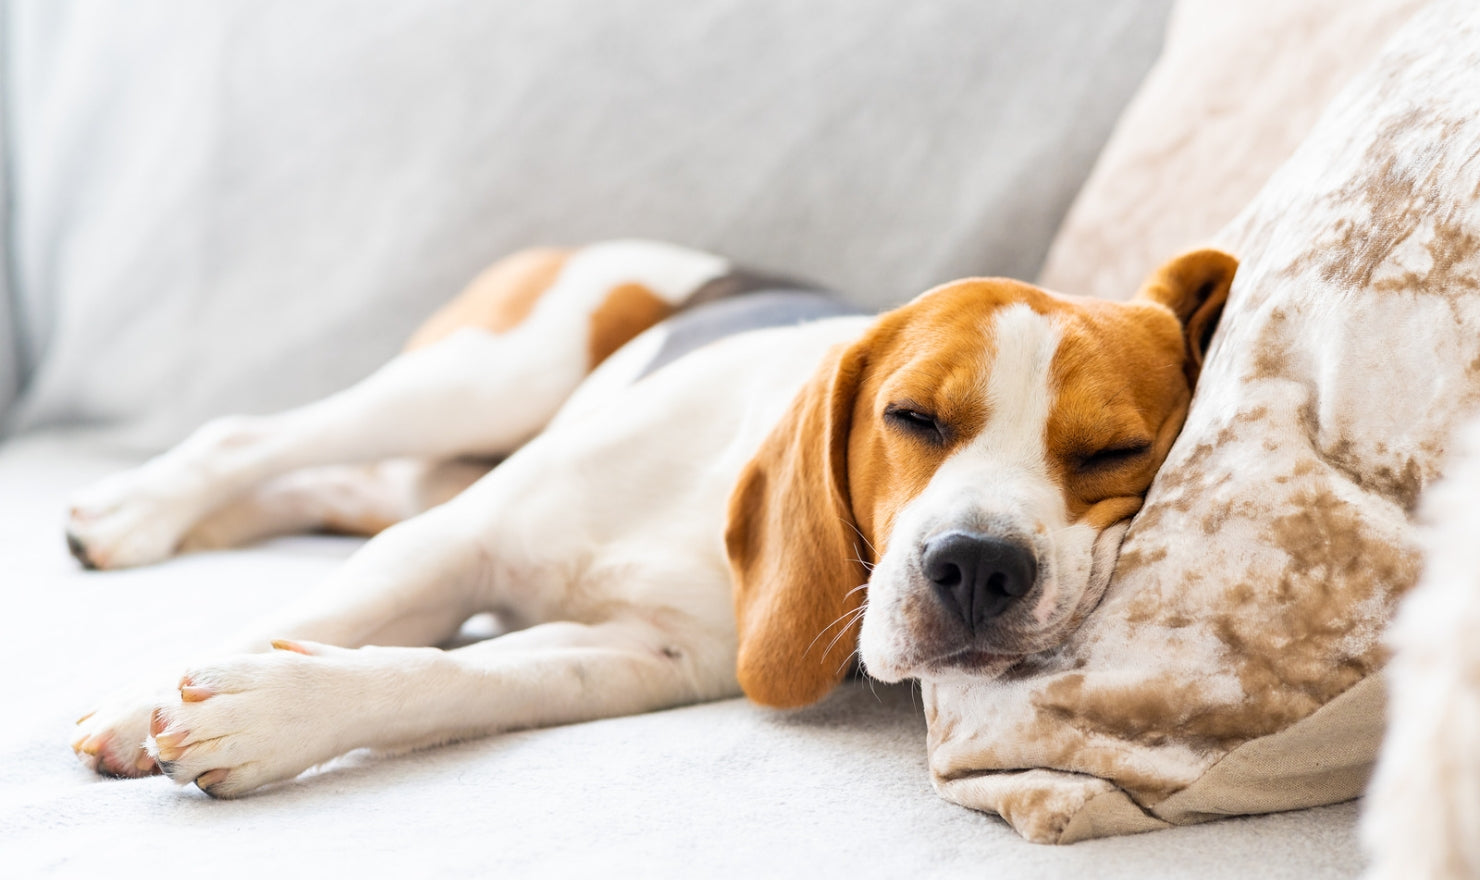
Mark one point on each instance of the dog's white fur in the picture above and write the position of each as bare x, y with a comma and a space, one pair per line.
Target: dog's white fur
1422, 813
619, 605
600, 543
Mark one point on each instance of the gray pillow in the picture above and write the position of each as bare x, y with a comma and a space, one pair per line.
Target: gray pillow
243, 205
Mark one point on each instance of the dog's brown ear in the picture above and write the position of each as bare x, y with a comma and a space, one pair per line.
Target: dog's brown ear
1195, 287
794, 553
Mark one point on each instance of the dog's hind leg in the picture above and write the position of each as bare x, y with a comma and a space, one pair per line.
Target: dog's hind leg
363, 499
472, 393
480, 378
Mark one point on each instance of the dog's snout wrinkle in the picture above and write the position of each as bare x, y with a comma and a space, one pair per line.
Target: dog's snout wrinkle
977, 577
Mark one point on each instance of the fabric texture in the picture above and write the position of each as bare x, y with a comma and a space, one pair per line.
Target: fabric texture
721, 790
10, 355
1236, 89
1253, 588
244, 205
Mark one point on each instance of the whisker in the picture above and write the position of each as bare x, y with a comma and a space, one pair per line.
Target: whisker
862, 670
858, 556
840, 619
849, 659
856, 616
852, 618
861, 537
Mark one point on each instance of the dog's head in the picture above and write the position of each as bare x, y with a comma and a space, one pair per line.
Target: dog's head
958, 480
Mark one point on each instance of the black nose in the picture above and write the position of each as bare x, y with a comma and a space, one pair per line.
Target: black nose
977, 576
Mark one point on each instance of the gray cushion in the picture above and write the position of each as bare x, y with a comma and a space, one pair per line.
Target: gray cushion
241, 205
10, 357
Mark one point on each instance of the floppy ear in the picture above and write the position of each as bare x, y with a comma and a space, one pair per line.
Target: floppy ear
793, 547
1194, 286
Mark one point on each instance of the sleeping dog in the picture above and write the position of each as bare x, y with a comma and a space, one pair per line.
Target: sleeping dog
681, 511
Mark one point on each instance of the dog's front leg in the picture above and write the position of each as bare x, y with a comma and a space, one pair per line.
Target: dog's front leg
414, 584
254, 719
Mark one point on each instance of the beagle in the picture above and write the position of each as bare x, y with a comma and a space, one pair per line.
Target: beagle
937, 491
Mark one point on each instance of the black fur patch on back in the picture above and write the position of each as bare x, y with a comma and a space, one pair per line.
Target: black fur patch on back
741, 281
762, 306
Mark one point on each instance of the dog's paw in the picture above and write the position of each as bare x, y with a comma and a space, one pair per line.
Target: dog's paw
242, 723
140, 516
110, 739
133, 518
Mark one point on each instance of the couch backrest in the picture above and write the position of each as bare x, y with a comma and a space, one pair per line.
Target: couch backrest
10, 341
245, 204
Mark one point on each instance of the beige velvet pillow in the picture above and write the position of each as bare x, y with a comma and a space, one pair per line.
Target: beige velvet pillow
1226, 669
1237, 87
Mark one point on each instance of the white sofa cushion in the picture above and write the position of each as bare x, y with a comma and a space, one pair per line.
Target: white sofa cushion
245, 204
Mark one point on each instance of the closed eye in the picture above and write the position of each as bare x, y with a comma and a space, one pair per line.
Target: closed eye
1115, 456
915, 421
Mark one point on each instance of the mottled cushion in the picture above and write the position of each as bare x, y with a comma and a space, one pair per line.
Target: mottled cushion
1236, 89
1227, 668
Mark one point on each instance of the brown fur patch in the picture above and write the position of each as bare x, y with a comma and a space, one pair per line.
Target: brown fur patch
627, 310
1115, 377
499, 299
795, 555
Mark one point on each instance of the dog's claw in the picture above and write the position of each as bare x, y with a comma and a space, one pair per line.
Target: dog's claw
88, 745
209, 778
170, 742
79, 551
190, 692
